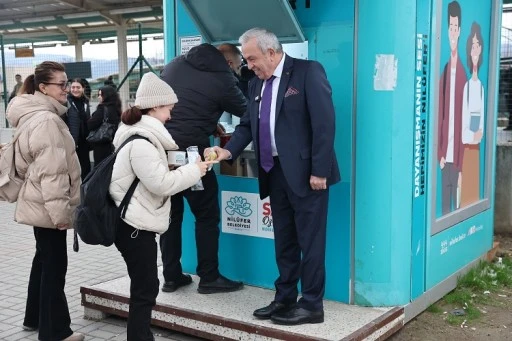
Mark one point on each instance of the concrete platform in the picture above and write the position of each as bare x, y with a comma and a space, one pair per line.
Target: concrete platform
229, 316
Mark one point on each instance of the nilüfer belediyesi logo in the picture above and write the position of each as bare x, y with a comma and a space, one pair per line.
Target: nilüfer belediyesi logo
238, 205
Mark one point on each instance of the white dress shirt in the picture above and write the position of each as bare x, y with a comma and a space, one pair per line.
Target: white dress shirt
275, 88
451, 119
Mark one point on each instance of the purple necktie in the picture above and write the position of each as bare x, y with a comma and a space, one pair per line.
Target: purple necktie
266, 159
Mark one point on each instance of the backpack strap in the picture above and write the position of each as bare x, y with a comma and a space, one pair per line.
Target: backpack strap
123, 206
130, 139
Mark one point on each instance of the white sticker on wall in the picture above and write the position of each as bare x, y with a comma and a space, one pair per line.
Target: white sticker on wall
186, 43
244, 213
386, 72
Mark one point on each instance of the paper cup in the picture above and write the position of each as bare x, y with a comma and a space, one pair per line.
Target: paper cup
176, 158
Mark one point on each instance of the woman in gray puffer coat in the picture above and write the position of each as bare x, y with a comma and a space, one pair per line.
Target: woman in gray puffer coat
45, 158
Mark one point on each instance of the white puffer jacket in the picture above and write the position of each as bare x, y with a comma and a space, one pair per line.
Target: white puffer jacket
150, 207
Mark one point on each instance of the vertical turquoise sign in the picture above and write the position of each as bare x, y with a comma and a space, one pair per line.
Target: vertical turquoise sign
420, 143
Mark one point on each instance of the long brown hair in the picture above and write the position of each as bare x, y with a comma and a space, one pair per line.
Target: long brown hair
42, 74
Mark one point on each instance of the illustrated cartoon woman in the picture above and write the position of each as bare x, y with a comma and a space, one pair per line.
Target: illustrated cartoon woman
473, 117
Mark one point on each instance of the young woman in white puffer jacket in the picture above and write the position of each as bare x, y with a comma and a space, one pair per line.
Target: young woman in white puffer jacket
149, 208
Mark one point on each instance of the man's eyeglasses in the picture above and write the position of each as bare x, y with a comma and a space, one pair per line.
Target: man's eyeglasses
63, 85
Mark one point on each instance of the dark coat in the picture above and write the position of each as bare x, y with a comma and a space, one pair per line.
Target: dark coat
206, 87
112, 104
77, 116
304, 126
113, 115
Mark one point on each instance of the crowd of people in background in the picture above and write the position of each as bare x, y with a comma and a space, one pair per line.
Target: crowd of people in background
177, 110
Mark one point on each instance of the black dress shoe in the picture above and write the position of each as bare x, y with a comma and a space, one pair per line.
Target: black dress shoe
221, 284
274, 307
296, 316
172, 286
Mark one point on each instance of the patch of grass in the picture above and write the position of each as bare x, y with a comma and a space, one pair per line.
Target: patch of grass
459, 297
434, 309
471, 290
472, 314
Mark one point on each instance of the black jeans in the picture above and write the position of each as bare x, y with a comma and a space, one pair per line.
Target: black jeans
47, 307
205, 207
138, 249
83, 157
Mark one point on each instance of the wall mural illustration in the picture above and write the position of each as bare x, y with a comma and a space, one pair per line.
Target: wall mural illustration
462, 102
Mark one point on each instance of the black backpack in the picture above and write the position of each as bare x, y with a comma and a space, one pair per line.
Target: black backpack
96, 217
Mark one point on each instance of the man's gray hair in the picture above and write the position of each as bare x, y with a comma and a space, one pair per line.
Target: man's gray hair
264, 38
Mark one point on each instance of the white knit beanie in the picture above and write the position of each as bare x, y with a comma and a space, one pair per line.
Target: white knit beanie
154, 92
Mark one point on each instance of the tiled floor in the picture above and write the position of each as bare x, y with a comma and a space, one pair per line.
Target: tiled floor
91, 265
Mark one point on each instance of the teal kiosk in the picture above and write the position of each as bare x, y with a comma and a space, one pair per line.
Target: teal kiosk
414, 87
415, 92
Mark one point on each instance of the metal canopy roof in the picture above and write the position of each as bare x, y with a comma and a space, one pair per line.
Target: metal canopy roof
217, 23
27, 21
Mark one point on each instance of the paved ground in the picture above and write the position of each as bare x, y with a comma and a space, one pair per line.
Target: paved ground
91, 265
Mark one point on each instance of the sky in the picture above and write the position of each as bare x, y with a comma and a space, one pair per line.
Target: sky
150, 48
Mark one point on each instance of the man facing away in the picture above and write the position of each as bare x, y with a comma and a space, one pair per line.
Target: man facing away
17, 87
291, 120
235, 61
205, 87
450, 149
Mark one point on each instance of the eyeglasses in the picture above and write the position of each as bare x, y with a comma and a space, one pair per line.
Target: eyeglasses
63, 85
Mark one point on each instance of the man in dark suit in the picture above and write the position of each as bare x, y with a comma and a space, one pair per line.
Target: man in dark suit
290, 117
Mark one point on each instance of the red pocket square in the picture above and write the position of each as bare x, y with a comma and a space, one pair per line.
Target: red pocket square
291, 91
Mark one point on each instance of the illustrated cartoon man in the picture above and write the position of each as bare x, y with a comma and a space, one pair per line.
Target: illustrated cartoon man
450, 149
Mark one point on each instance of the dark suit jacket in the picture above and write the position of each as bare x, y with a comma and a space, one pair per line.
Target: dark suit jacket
304, 126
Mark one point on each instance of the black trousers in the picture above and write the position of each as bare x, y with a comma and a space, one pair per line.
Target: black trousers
101, 151
139, 250
299, 236
205, 207
47, 307
83, 157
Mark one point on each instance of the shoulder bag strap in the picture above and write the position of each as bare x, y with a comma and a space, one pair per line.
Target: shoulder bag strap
105, 113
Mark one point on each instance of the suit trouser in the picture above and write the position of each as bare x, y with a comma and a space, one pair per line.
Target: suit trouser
300, 236
47, 307
450, 182
205, 207
139, 251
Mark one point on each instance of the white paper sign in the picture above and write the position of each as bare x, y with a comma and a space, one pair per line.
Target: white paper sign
186, 43
244, 213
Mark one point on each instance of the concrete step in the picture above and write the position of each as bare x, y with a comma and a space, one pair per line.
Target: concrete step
228, 316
